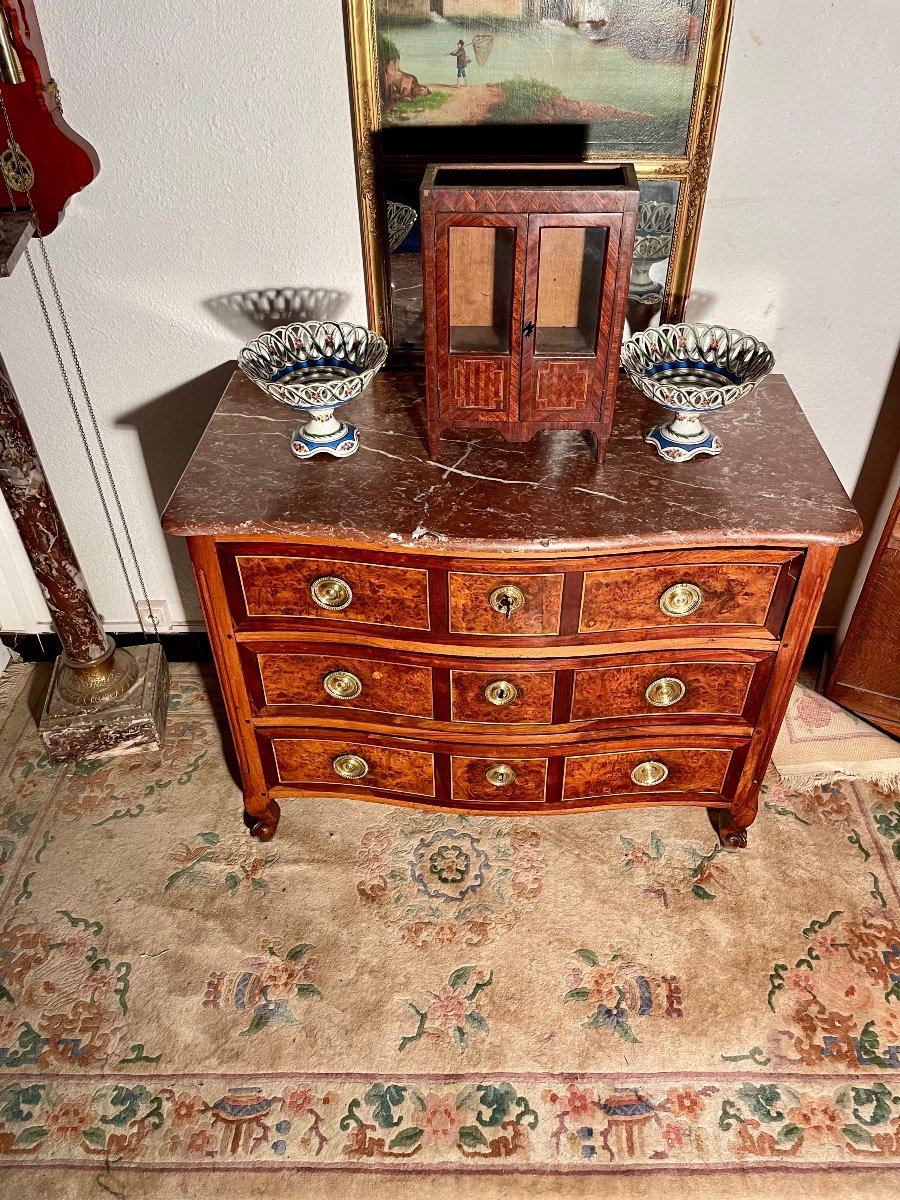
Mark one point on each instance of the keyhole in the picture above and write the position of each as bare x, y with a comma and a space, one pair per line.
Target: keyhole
528, 328
506, 605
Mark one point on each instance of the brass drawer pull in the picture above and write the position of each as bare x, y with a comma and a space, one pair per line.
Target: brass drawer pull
328, 591
501, 692
342, 685
649, 773
663, 692
500, 775
507, 599
350, 766
681, 599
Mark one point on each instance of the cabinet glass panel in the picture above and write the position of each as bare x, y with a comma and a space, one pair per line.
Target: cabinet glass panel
481, 287
570, 286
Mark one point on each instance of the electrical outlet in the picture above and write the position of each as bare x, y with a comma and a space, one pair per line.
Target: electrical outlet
157, 615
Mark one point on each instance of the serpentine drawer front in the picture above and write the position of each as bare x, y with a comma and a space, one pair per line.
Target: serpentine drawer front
513, 630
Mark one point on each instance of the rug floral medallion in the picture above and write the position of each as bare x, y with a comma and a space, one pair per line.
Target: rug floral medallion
393, 990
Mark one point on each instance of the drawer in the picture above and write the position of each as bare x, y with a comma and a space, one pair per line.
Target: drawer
662, 771
502, 697
693, 593
671, 687
358, 764
345, 681
505, 605
332, 589
498, 780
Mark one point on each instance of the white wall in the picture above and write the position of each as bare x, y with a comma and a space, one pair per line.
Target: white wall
224, 134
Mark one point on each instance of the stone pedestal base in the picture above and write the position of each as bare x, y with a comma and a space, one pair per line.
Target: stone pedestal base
136, 719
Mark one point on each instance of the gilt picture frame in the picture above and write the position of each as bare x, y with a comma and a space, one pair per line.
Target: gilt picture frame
395, 110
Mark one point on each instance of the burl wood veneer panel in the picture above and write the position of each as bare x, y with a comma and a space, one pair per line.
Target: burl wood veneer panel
610, 774
471, 612
303, 760
711, 689
387, 687
532, 705
734, 593
469, 780
278, 586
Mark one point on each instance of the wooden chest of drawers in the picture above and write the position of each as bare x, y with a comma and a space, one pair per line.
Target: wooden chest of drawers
520, 631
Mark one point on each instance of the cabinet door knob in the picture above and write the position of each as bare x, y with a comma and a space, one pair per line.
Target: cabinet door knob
501, 692
500, 775
350, 766
681, 599
328, 591
342, 685
507, 599
663, 692
649, 773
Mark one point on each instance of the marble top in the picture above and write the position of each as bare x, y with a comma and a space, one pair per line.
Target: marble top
772, 483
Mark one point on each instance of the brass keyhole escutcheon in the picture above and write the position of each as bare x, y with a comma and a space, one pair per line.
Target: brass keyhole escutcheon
501, 692
507, 599
649, 773
663, 692
500, 775
342, 685
328, 591
350, 766
681, 599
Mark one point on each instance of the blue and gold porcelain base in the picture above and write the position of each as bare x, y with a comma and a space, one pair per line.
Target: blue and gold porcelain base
683, 438
324, 434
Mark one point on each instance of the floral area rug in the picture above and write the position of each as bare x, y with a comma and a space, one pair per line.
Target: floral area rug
394, 1002
820, 742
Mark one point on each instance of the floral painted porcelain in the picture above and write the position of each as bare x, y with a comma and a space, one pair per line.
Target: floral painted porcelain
652, 244
691, 369
317, 366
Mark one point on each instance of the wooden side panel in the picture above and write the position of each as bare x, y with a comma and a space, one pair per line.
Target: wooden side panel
469, 781
866, 673
532, 705
279, 586
711, 688
305, 760
733, 593
689, 770
471, 612
387, 687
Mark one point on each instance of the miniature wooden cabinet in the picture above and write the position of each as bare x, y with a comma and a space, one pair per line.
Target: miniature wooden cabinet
526, 274
549, 639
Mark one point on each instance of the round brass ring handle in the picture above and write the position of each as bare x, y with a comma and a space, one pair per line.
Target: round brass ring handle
501, 692
328, 591
681, 599
342, 685
649, 773
507, 599
500, 775
663, 692
350, 766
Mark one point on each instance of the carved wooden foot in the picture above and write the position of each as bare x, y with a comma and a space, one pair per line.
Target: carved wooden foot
263, 825
731, 837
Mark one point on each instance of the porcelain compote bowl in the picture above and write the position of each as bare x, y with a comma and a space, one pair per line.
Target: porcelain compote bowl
316, 366
693, 369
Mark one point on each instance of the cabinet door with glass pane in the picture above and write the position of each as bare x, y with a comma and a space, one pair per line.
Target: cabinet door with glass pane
569, 296
480, 268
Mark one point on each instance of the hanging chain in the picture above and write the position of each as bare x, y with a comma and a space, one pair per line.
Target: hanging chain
87, 400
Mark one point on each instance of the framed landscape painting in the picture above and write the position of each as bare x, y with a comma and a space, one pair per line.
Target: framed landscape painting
458, 80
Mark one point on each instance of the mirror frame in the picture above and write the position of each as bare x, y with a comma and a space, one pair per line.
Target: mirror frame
690, 170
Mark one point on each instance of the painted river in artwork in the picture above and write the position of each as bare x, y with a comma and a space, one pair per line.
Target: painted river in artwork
592, 72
